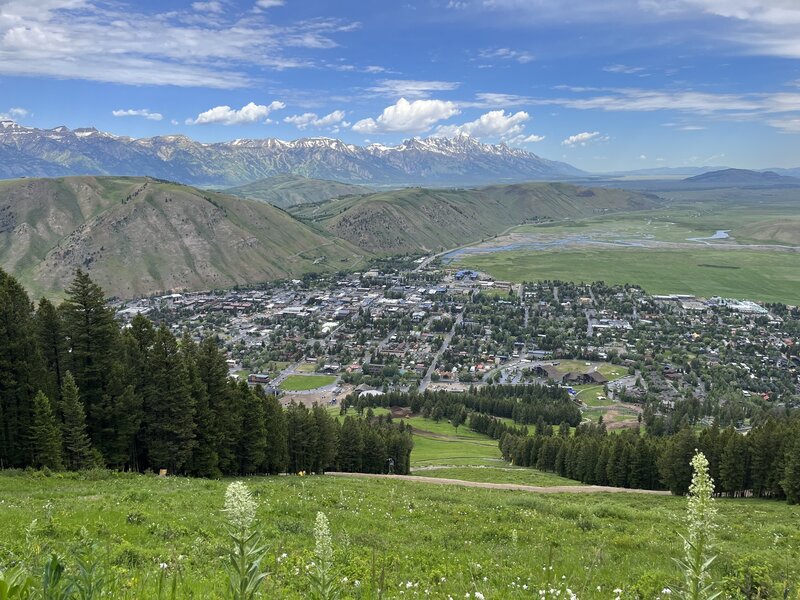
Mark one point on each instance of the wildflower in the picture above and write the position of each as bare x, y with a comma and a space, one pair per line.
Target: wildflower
478, 596
239, 505
322, 536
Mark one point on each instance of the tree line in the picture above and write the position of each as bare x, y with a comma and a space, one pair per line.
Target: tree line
78, 390
524, 404
765, 463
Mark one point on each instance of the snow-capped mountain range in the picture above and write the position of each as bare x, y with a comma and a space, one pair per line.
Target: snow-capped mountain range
31, 152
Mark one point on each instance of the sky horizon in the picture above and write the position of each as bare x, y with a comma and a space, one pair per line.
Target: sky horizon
617, 85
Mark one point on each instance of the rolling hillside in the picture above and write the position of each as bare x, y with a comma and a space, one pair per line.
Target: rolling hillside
428, 220
292, 190
138, 235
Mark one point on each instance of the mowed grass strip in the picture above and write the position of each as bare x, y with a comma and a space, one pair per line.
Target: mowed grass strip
302, 383
769, 276
497, 474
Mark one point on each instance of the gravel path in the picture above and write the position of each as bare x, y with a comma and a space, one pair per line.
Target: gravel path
557, 489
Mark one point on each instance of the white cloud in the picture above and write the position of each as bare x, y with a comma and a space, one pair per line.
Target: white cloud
581, 139
141, 112
311, 119
520, 56
531, 139
211, 7
225, 115
788, 125
623, 69
642, 157
14, 113
408, 117
495, 123
268, 3
105, 41
412, 88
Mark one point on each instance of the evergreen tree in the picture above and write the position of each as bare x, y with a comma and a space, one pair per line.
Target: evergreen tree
674, 465
277, 452
169, 412
326, 439
351, 446
45, 435
21, 373
253, 442
205, 460
78, 453
223, 428
52, 344
93, 336
791, 475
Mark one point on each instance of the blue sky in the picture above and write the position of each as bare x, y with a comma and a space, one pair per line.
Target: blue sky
605, 85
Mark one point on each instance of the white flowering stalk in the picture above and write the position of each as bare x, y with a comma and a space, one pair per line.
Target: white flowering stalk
244, 560
239, 506
323, 583
698, 542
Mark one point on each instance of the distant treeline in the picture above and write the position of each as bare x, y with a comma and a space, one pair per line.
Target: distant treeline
765, 463
77, 390
524, 404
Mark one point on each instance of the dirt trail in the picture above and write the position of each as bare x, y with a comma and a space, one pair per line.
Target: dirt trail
557, 489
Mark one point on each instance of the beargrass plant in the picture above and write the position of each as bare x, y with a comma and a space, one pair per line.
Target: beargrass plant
323, 583
698, 543
245, 574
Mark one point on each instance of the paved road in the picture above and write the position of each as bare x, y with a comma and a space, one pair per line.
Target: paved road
425, 381
559, 489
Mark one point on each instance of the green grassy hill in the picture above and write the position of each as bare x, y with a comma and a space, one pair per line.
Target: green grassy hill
293, 190
417, 219
137, 235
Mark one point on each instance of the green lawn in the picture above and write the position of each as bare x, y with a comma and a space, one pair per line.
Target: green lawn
299, 383
448, 540
771, 276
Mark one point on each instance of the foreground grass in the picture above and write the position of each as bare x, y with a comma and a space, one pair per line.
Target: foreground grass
770, 276
447, 540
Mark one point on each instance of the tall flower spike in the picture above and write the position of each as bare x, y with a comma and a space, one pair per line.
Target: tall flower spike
322, 536
239, 505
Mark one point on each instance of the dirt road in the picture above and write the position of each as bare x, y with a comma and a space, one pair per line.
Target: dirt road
559, 489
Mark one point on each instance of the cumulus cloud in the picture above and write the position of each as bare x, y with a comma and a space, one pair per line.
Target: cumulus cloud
495, 123
408, 117
13, 113
520, 56
225, 115
581, 139
411, 88
530, 139
140, 112
311, 119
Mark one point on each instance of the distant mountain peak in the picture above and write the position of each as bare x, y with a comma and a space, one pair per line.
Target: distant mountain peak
458, 160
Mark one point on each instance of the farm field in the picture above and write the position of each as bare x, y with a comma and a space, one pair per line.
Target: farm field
302, 383
445, 539
738, 273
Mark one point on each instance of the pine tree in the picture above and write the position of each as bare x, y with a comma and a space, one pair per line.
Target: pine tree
791, 474
374, 454
78, 452
45, 435
225, 426
205, 460
351, 446
253, 441
93, 335
326, 439
21, 373
169, 412
52, 343
277, 452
